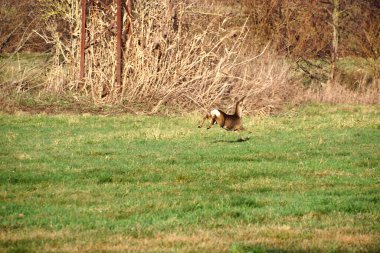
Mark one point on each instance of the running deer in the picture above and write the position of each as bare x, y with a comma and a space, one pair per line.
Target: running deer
229, 122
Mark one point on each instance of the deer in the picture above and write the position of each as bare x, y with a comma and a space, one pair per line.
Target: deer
229, 122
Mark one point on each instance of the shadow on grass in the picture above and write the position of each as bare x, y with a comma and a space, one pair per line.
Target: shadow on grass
241, 139
239, 248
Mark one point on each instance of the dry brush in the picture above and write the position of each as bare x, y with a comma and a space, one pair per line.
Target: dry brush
168, 60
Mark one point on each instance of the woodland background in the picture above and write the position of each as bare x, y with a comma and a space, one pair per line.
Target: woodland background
191, 54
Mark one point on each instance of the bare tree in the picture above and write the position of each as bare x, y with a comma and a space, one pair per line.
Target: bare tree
335, 38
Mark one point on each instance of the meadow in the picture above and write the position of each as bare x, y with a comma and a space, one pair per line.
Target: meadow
307, 179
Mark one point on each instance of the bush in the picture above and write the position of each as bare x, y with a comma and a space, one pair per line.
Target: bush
167, 61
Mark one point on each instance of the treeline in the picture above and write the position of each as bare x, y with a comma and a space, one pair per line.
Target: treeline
19, 21
272, 51
305, 28
295, 27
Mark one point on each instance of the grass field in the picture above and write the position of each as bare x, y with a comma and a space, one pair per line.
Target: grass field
306, 180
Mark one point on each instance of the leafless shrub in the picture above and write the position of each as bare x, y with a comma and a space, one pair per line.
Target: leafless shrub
166, 63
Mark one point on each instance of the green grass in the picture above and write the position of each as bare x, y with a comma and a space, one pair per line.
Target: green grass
306, 180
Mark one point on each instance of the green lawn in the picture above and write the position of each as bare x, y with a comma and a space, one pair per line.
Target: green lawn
306, 180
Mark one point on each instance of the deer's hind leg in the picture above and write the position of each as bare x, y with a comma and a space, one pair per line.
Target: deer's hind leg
212, 122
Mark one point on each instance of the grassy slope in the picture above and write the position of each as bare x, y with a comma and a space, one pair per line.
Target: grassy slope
306, 180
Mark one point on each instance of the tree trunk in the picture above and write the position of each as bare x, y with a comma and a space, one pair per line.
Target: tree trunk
335, 39
83, 40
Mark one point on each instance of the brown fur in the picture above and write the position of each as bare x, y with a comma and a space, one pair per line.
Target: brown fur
229, 122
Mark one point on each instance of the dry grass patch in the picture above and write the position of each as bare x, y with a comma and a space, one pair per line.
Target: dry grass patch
339, 94
275, 237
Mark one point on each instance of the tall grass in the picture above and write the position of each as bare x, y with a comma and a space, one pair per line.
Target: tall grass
167, 61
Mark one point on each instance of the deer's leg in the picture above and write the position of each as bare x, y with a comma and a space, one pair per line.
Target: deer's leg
213, 120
